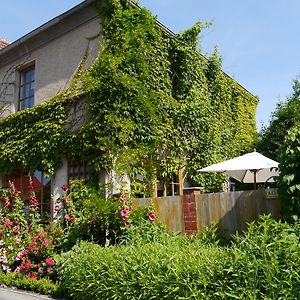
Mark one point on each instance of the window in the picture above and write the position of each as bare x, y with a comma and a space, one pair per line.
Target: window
42, 188
27, 87
78, 170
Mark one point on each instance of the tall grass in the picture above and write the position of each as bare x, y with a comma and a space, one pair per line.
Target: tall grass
261, 264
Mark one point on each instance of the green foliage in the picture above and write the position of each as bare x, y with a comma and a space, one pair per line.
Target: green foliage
178, 269
152, 98
43, 286
260, 264
264, 262
286, 116
289, 188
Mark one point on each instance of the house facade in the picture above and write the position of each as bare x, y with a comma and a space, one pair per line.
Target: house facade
39, 66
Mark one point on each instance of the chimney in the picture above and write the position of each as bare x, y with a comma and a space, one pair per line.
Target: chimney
3, 43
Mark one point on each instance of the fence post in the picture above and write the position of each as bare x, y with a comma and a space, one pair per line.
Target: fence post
190, 209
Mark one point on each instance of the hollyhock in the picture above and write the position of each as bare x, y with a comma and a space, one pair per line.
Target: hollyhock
69, 217
64, 187
124, 197
34, 201
8, 223
66, 201
57, 207
124, 212
7, 202
16, 231
151, 216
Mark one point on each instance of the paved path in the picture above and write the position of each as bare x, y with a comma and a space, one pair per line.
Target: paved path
10, 294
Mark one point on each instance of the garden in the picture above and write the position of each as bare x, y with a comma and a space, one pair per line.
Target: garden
106, 250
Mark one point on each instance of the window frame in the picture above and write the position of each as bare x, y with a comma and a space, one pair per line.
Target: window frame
23, 84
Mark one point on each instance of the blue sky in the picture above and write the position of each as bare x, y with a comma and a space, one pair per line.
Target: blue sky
258, 40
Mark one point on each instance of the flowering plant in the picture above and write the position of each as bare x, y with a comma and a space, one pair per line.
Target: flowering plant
26, 247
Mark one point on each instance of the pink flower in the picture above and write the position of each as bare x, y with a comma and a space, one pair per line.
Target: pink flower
32, 276
46, 243
69, 217
32, 247
57, 207
34, 201
124, 213
64, 187
151, 216
16, 231
66, 201
49, 261
6, 201
8, 223
49, 270
123, 197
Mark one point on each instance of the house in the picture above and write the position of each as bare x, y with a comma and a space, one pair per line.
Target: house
45, 63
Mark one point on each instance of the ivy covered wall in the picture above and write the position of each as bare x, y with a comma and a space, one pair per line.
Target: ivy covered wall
154, 102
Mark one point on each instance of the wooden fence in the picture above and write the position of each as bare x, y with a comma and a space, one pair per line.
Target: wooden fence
169, 210
232, 211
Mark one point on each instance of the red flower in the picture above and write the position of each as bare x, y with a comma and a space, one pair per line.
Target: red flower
42, 234
8, 223
49, 261
66, 201
32, 247
30, 186
6, 201
16, 231
46, 243
32, 276
69, 217
64, 187
49, 270
34, 201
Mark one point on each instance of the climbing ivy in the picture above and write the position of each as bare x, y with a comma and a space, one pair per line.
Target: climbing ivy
154, 103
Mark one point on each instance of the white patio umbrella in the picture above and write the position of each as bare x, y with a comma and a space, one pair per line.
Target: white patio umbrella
249, 168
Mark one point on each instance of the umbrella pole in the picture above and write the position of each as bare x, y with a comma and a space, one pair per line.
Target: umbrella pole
254, 181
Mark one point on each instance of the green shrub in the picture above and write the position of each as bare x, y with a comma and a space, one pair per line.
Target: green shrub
43, 286
263, 263
177, 269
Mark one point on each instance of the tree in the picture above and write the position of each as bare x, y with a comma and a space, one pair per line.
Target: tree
286, 116
289, 187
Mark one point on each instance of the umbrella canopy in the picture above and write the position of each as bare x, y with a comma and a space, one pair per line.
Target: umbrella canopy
249, 168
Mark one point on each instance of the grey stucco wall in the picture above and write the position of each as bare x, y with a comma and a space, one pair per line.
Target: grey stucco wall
56, 53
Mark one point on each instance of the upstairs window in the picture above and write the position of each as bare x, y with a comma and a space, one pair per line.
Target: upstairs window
27, 88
